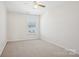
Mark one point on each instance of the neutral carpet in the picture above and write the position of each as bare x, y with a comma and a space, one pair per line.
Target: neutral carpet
35, 48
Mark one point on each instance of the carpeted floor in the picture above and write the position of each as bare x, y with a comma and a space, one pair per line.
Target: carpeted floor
35, 48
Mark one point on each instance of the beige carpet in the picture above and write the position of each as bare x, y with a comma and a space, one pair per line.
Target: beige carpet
35, 48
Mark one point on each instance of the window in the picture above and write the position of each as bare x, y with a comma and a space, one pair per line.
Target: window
32, 24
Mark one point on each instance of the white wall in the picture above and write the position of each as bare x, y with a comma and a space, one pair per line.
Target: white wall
60, 24
18, 26
3, 25
17, 29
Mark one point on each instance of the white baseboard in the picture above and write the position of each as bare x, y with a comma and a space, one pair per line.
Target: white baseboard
1, 50
67, 49
20, 40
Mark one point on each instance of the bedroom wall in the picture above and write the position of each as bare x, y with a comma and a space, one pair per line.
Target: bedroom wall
3, 27
18, 26
17, 29
60, 25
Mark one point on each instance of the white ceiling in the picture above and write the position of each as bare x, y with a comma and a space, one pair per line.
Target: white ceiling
28, 6
23, 7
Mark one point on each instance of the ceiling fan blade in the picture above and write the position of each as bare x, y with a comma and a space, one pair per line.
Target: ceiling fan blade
41, 5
